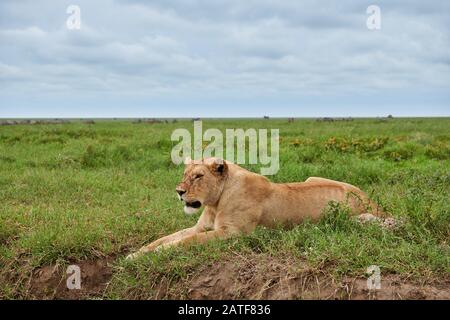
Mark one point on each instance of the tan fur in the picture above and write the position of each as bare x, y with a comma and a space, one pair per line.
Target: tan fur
237, 200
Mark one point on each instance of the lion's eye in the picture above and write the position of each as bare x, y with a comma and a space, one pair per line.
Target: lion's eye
198, 176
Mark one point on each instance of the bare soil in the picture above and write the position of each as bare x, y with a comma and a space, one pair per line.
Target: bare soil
264, 277
255, 276
49, 282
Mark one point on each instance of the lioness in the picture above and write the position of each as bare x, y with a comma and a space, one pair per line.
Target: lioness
237, 200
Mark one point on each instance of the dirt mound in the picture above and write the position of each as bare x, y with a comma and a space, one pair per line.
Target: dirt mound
49, 282
265, 277
250, 276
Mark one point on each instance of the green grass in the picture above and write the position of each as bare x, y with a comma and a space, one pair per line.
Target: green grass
74, 191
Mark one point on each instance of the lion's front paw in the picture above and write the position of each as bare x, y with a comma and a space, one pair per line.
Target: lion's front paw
132, 256
158, 248
166, 246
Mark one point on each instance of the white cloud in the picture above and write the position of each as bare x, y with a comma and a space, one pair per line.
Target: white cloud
222, 48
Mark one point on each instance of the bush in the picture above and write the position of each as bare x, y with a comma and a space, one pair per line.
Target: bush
439, 151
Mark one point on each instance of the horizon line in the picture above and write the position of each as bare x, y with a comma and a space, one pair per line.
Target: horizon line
219, 118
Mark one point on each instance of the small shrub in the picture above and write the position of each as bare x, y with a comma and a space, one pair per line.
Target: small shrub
355, 144
439, 151
399, 153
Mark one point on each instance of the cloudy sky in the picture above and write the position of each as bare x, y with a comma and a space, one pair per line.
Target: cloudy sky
224, 58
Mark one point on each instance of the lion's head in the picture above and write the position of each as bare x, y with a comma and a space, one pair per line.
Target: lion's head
202, 183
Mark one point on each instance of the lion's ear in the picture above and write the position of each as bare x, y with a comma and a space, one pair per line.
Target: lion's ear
219, 166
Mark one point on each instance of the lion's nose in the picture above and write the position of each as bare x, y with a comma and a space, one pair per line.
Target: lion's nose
181, 191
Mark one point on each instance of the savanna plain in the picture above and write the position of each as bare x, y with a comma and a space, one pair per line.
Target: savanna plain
87, 193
